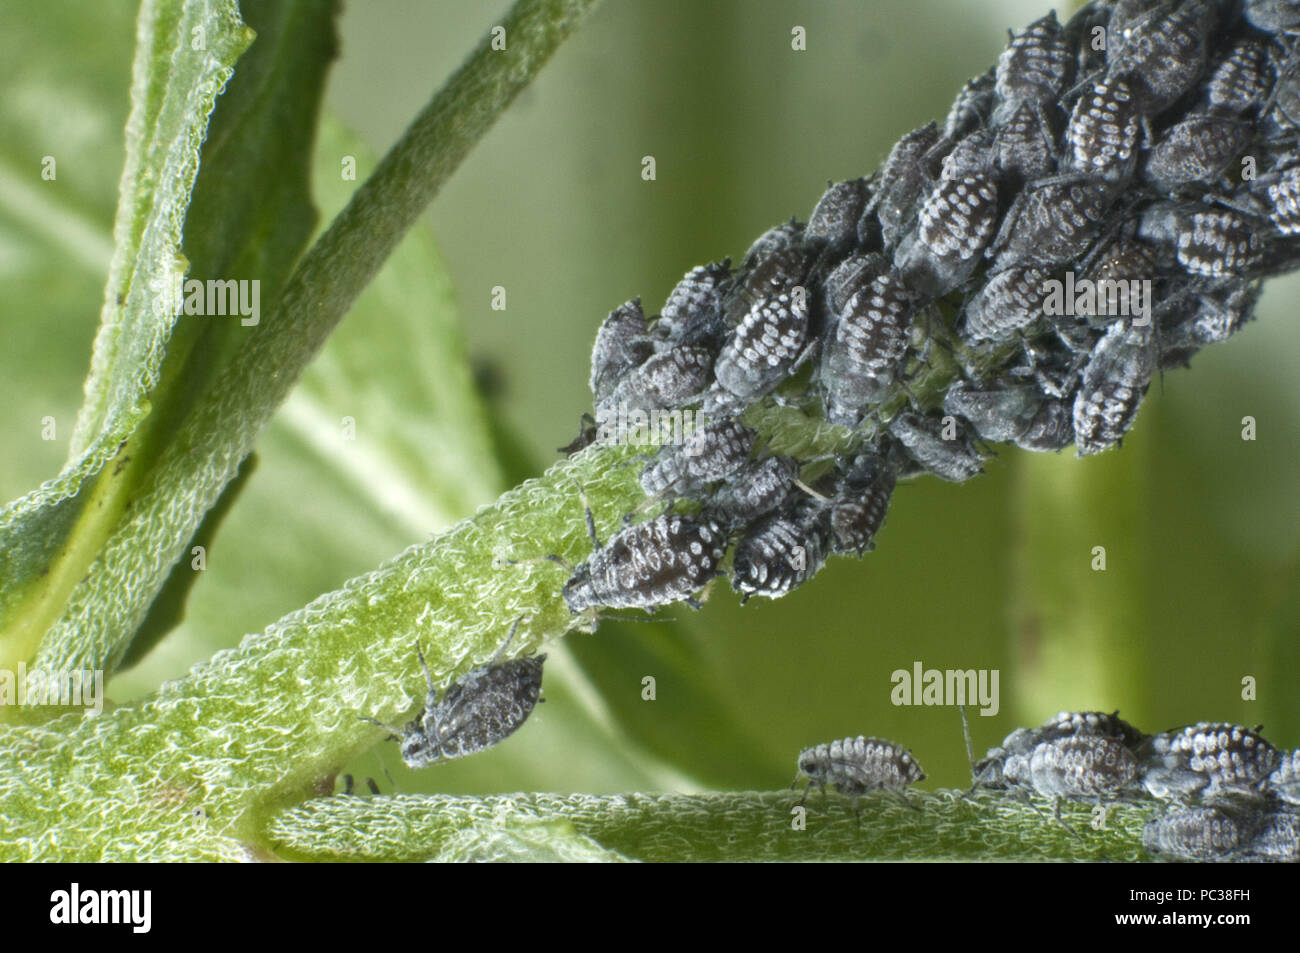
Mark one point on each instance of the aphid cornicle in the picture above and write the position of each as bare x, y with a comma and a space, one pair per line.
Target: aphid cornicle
1193, 833
1115, 380
782, 551
622, 343
1101, 139
954, 460
481, 708
1209, 759
856, 766
954, 226
647, 565
864, 348
1052, 222
756, 489
1008, 302
1197, 150
1034, 68
692, 314
709, 453
860, 502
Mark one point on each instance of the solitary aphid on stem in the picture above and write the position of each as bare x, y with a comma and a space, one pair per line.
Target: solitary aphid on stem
856, 766
484, 706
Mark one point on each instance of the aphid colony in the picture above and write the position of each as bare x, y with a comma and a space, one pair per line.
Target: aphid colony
1230, 795
1095, 208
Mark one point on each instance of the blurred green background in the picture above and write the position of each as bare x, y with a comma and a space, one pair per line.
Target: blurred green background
1201, 528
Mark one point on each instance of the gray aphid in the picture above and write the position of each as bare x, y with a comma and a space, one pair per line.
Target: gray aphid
856, 766
1209, 759
953, 460
1115, 380
706, 455
481, 708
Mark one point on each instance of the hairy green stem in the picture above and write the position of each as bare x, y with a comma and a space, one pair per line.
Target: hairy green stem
739, 826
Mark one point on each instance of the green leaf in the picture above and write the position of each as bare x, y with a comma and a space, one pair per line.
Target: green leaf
204, 453
48, 538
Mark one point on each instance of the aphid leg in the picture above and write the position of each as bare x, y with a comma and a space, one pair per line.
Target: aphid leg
370, 783
347, 785
810, 491
393, 733
504, 645
970, 751
428, 679
1056, 813
591, 520
902, 796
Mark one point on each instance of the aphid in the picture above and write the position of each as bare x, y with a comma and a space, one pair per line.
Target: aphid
925, 438
1076, 766
834, 222
904, 181
1052, 428
1034, 68
622, 343
1008, 302
1273, 16
999, 413
1276, 839
1052, 222
782, 551
856, 766
1241, 81
1016, 748
975, 154
670, 379
1284, 201
1217, 311
972, 107
692, 314
484, 706
1023, 145
1198, 149
860, 502
1193, 833
1101, 139
756, 489
865, 347
1213, 242
650, 564
1210, 759
1114, 382
953, 227
848, 278
775, 264
1284, 782
1162, 46
709, 453
1117, 271
761, 352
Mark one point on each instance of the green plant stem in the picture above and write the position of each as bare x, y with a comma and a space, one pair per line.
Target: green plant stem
191, 472
739, 827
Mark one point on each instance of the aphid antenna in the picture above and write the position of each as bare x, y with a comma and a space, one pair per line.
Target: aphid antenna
500, 651
970, 751
394, 733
